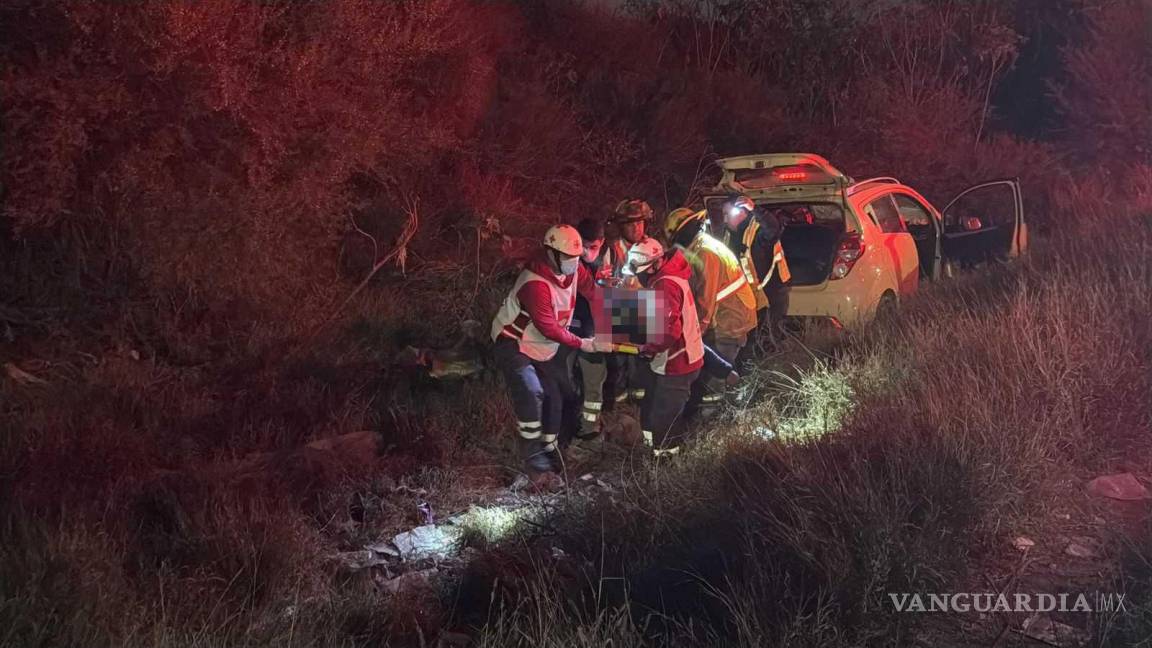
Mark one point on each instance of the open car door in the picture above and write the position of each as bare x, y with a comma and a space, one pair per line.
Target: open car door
983, 223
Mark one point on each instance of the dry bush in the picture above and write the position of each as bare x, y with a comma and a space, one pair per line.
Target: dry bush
217, 139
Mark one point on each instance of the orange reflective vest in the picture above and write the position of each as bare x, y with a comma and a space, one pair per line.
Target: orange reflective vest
725, 301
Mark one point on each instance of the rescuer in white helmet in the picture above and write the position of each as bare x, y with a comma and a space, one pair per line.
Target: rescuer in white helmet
532, 343
677, 349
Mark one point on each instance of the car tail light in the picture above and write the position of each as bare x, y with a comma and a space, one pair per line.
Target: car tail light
850, 250
791, 175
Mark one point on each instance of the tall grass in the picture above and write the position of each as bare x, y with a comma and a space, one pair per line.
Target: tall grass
956, 418
900, 455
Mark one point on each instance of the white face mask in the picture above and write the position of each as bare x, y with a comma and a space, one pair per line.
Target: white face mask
569, 266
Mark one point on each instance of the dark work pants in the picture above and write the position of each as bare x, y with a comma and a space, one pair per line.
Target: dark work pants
727, 348
593, 372
618, 367
661, 409
539, 392
777, 295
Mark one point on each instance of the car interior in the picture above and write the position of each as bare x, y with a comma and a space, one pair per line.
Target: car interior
812, 232
921, 225
979, 226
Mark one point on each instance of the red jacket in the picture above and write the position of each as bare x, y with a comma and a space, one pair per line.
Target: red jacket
679, 348
536, 300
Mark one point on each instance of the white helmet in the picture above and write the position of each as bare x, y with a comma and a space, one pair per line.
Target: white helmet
564, 239
642, 255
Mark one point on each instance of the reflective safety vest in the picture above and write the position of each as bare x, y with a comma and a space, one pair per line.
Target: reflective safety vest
730, 311
690, 342
779, 264
514, 322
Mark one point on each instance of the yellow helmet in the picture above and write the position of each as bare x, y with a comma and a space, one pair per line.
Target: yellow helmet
678, 218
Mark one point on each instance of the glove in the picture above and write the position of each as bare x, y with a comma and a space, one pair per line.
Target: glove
604, 347
588, 345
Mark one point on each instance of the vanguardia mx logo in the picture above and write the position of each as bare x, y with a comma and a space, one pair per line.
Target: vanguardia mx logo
1099, 602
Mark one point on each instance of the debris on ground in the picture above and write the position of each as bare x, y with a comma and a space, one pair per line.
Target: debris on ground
1044, 628
385, 548
1123, 486
21, 377
1023, 543
428, 541
359, 560
1083, 547
364, 443
413, 579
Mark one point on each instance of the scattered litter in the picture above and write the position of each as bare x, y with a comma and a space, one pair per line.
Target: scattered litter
426, 511
1123, 486
586, 477
1083, 547
1023, 543
764, 432
1077, 550
409, 580
383, 547
134, 354
429, 541
1045, 629
558, 553
22, 377
357, 560
1063, 516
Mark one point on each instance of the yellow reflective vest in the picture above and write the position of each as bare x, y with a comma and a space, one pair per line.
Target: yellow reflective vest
725, 301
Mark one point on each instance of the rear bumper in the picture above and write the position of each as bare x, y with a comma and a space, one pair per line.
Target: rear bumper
826, 302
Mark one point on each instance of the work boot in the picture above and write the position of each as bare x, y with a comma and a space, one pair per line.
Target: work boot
536, 459
665, 456
586, 449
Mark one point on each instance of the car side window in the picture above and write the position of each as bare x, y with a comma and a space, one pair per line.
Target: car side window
912, 211
884, 212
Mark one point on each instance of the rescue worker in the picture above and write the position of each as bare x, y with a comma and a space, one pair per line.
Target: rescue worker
630, 218
754, 237
596, 260
532, 341
677, 351
725, 301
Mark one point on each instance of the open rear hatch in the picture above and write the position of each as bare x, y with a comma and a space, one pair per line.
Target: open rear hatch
805, 192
